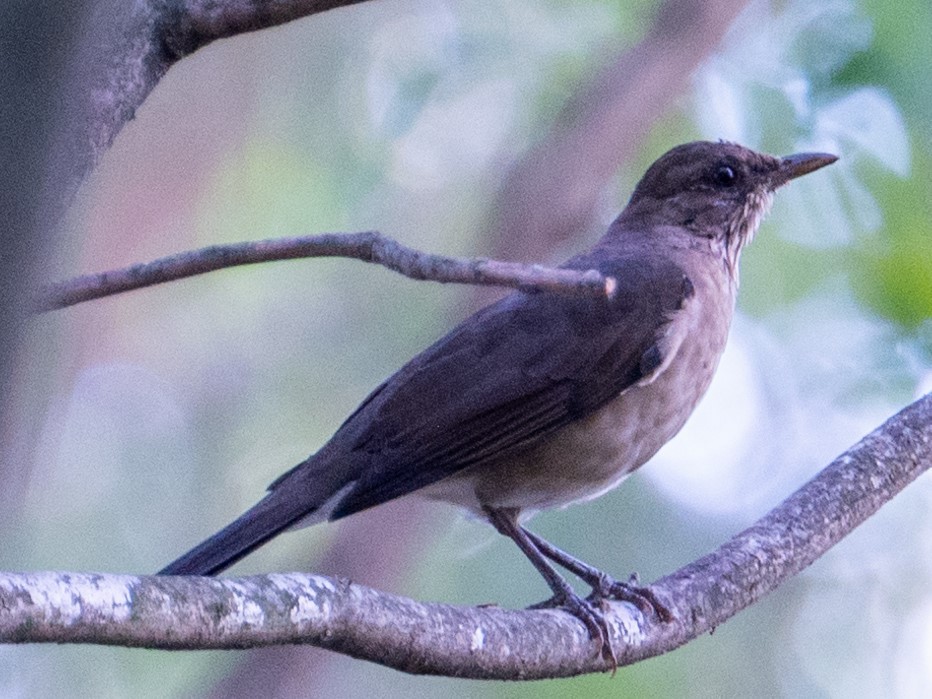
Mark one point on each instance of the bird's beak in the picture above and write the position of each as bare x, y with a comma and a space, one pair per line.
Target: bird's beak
793, 166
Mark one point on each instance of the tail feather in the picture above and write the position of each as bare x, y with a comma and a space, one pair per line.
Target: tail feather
238, 539
305, 495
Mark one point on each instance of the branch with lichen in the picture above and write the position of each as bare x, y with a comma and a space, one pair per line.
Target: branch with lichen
478, 642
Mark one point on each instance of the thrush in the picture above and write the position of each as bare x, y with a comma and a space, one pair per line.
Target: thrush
542, 400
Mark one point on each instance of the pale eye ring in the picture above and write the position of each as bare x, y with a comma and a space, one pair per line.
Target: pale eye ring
725, 176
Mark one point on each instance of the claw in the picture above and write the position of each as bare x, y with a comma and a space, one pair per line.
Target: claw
641, 597
587, 611
603, 586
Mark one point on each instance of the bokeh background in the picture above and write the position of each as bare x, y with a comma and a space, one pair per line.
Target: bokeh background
144, 422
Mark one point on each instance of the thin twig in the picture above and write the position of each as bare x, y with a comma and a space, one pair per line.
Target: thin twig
368, 246
483, 642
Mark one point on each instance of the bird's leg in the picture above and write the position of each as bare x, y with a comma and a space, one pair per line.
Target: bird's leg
505, 520
603, 585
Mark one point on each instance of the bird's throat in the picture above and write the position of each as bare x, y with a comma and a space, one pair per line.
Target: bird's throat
742, 227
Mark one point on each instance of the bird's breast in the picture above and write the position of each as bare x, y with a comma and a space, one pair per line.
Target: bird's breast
595, 453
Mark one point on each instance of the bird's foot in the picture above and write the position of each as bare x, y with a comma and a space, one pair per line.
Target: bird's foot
589, 612
640, 596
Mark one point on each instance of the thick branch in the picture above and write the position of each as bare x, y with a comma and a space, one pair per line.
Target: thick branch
368, 246
131, 45
178, 613
198, 22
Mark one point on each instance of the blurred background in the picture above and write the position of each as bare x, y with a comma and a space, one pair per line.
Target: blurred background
144, 422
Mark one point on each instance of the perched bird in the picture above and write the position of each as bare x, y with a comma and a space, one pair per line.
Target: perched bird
541, 400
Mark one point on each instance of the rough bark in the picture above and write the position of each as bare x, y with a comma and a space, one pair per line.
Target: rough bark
479, 642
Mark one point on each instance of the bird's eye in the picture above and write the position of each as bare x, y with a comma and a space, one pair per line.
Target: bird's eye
725, 176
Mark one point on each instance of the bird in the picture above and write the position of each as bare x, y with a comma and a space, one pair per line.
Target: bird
541, 400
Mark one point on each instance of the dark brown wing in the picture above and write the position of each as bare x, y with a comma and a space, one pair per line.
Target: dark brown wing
507, 377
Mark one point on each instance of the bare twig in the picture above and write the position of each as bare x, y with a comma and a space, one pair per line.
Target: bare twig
368, 246
183, 613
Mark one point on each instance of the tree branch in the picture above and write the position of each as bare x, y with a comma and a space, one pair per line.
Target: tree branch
368, 246
131, 45
481, 642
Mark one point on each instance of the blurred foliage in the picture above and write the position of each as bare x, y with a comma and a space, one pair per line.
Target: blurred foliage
148, 421
892, 272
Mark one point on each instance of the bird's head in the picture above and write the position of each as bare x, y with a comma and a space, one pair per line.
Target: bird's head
716, 191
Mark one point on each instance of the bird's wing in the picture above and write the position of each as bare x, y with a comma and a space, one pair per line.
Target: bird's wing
507, 377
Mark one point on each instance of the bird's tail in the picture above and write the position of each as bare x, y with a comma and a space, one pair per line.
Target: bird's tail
238, 539
303, 496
